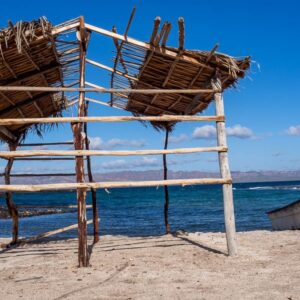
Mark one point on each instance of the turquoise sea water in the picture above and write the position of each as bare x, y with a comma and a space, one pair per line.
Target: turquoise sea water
139, 211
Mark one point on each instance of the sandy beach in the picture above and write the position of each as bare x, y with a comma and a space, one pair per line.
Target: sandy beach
186, 266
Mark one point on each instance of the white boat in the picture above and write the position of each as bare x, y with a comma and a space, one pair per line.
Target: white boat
286, 217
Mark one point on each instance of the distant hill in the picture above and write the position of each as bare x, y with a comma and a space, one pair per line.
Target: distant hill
250, 176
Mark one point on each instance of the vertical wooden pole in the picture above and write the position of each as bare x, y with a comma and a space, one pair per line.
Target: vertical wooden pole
12, 209
225, 173
83, 256
166, 207
91, 179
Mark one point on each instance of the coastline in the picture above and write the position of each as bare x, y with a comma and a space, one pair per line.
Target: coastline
186, 266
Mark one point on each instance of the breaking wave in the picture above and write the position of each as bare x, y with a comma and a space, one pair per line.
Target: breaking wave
280, 187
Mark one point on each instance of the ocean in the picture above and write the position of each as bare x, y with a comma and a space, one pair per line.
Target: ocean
139, 211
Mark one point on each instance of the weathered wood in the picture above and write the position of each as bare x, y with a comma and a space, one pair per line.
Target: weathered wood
155, 30
91, 179
7, 133
181, 33
160, 50
116, 184
166, 35
102, 90
50, 206
42, 174
161, 34
162, 118
60, 29
225, 173
79, 153
191, 106
44, 144
12, 209
83, 256
13, 104
45, 158
166, 189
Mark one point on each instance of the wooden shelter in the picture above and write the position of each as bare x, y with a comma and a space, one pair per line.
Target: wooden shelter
156, 83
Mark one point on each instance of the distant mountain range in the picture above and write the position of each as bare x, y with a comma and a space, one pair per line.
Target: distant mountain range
250, 176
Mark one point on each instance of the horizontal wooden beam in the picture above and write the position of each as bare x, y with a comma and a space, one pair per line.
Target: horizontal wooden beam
118, 184
50, 206
28, 153
162, 118
45, 144
42, 174
59, 29
44, 158
103, 90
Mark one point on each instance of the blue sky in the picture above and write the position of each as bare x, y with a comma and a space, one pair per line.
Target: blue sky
262, 113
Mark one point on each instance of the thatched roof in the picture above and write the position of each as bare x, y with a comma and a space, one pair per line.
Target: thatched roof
30, 56
34, 54
184, 69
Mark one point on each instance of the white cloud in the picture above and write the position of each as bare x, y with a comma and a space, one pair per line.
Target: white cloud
209, 132
96, 143
239, 132
178, 139
293, 130
137, 163
204, 132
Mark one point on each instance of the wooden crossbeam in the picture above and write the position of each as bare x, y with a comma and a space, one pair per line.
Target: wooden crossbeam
104, 90
41, 174
44, 158
79, 153
117, 184
45, 144
162, 118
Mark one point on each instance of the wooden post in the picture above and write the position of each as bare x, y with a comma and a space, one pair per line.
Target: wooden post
91, 179
83, 256
12, 209
166, 207
225, 173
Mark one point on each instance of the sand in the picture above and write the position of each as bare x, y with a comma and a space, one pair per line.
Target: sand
187, 266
